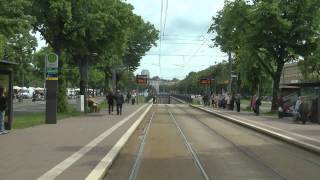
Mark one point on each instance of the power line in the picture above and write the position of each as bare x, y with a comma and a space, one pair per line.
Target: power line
206, 38
198, 55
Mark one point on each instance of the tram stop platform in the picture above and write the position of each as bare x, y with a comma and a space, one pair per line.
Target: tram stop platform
305, 136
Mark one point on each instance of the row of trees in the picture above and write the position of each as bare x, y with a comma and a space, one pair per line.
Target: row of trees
103, 34
260, 36
219, 74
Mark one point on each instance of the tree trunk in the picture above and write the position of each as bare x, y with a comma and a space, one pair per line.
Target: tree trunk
276, 85
107, 86
62, 94
83, 79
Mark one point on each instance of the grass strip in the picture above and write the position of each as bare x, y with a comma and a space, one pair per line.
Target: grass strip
26, 120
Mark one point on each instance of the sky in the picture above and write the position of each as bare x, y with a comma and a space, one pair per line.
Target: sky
185, 42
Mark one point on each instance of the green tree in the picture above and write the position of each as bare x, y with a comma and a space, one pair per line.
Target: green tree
14, 17
273, 32
142, 36
19, 48
310, 66
54, 22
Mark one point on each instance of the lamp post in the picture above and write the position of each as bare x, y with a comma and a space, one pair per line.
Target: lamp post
230, 65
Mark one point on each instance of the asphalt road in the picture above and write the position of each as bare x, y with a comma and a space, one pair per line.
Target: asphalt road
180, 142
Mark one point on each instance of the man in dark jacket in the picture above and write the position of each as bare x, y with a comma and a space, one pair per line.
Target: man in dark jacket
110, 98
3, 108
119, 100
258, 104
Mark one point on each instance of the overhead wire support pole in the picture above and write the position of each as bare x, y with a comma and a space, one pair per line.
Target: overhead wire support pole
230, 62
165, 18
160, 34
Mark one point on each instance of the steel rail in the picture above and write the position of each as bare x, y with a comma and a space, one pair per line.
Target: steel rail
136, 165
243, 150
189, 147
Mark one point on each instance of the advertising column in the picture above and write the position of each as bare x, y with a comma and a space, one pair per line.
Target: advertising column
51, 88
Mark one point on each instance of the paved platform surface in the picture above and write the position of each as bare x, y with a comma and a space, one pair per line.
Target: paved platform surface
29, 153
309, 133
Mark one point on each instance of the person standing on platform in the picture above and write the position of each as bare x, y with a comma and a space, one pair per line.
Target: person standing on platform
238, 102
128, 97
133, 98
232, 99
258, 103
119, 100
110, 100
253, 103
3, 108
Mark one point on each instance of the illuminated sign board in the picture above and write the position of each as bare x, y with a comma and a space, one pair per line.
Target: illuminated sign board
142, 79
205, 81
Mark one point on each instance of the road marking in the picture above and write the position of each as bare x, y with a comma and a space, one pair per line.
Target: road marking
100, 170
62, 166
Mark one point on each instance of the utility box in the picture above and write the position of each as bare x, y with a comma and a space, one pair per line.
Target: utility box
6, 80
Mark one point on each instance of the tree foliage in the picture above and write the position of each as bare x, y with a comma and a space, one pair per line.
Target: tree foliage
269, 33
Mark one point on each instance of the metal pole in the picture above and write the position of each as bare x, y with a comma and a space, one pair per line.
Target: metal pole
230, 64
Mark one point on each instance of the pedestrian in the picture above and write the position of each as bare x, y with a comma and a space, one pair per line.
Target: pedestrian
212, 99
133, 98
128, 97
257, 106
232, 99
110, 100
154, 99
238, 102
228, 101
216, 99
204, 99
253, 103
3, 108
303, 111
119, 101
297, 113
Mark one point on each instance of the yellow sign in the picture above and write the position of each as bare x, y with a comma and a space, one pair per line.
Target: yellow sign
52, 78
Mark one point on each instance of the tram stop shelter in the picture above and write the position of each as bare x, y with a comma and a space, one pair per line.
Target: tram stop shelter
311, 92
6, 80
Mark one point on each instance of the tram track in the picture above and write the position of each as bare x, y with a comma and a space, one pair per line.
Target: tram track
179, 142
285, 146
135, 168
244, 151
189, 148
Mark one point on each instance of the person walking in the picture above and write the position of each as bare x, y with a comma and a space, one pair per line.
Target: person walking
128, 97
3, 108
238, 102
133, 98
110, 100
119, 100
